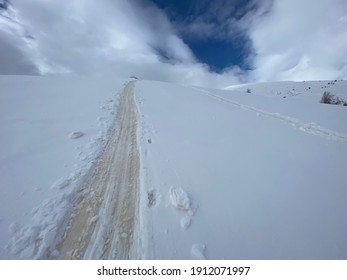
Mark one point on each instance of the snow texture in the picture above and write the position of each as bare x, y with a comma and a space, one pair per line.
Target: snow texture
257, 175
265, 172
197, 251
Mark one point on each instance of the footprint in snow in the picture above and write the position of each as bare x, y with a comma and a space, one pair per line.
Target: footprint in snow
181, 201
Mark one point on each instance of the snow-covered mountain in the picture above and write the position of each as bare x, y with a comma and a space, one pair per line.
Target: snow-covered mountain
249, 172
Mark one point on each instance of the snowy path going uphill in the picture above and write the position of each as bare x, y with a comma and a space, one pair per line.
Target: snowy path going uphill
104, 221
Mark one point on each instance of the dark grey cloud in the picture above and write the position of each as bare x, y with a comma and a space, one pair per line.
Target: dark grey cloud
220, 19
13, 61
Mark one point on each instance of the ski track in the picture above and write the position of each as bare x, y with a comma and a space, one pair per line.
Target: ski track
104, 223
310, 128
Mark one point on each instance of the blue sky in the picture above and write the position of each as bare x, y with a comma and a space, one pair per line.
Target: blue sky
217, 52
201, 42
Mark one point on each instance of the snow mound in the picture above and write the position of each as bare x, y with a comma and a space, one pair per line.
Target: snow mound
179, 199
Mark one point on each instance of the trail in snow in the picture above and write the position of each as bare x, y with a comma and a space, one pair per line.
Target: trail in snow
103, 225
310, 128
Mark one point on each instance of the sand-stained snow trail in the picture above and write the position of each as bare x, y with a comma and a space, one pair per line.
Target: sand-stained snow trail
103, 225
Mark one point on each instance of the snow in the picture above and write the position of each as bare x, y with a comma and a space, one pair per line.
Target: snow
40, 166
301, 102
76, 135
198, 251
264, 173
179, 199
224, 174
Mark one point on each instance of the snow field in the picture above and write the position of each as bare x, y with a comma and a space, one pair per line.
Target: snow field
224, 174
265, 184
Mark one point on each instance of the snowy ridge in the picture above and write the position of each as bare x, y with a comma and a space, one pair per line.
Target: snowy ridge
311, 128
291, 88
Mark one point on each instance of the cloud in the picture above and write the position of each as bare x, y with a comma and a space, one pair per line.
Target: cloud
13, 60
221, 20
286, 39
120, 38
84, 36
301, 40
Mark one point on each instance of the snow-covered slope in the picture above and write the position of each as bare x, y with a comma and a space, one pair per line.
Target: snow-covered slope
242, 176
297, 100
305, 90
41, 154
224, 173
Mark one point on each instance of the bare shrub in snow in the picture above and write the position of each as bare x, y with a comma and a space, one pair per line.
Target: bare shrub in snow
248, 90
329, 98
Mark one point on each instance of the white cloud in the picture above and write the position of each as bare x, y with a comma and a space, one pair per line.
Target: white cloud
110, 38
301, 40
295, 39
